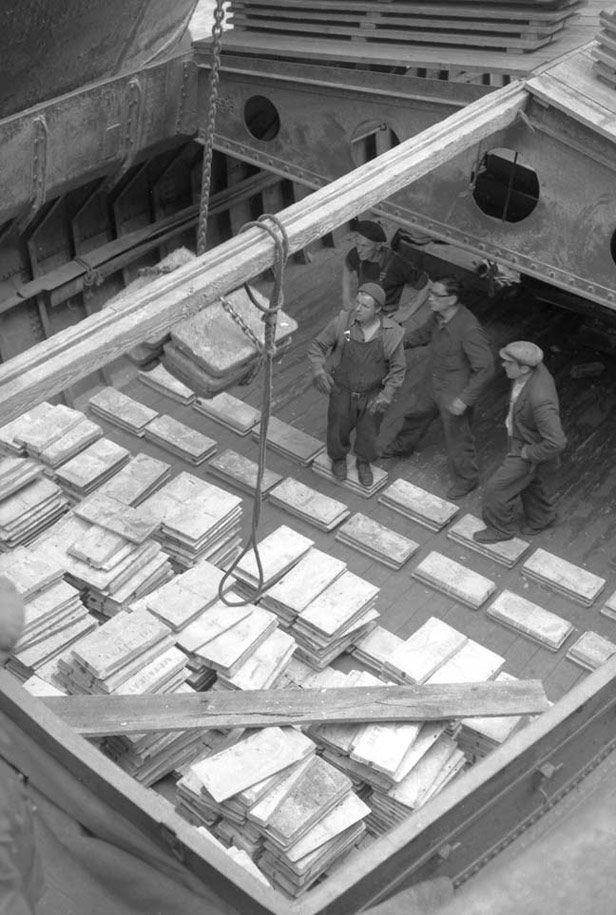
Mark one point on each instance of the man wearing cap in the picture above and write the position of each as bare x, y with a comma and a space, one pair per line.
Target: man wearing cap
459, 366
372, 261
21, 880
358, 361
535, 438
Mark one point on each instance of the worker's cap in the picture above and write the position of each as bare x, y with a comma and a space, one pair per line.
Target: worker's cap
11, 616
373, 289
523, 352
370, 230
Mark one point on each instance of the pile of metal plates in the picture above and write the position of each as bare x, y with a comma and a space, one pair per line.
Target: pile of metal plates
29, 509
241, 472
162, 381
179, 439
530, 620
214, 349
506, 553
591, 650
308, 504
454, 579
322, 466
331, 622
426, 649
197, 521
563, 577
137, 480
418, 505
278, 553
291, 442
292, 593
91, 468
377, 541
121, 410
54, 613
229, 411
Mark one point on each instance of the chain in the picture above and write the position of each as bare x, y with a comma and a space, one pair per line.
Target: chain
228, 307
208, 148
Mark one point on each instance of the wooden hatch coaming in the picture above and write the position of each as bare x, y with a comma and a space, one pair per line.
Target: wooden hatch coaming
482, 810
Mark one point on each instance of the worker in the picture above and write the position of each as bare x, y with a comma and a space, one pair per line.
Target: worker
371, 260
536, 439
21, 881
459, 366
358, 361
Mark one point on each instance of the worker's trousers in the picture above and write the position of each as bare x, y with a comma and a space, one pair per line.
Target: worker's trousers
531, 483
459, 439
348, 411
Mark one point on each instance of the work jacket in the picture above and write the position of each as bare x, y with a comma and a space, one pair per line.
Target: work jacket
536, 419
461, 361
326, 349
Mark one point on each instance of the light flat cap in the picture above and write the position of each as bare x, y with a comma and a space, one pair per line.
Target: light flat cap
524, 352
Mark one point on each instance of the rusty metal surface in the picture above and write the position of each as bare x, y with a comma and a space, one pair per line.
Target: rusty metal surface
49, 47
314, 145
98, 130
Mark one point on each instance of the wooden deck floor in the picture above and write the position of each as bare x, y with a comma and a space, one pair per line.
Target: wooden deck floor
587, 483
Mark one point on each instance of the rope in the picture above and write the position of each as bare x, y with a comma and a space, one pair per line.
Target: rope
268, 352
208, 147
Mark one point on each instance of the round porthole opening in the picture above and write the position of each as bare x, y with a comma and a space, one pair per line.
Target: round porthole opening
503, 187
261, 118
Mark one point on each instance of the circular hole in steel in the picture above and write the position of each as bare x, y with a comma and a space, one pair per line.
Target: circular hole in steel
503, 187
261, 118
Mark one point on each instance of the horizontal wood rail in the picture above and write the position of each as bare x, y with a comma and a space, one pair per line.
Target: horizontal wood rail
95, 716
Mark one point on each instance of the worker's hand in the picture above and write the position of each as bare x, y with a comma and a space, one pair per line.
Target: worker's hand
379, 404
457, 407
323, 383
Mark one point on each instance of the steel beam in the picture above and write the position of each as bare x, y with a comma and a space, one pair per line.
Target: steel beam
318, 121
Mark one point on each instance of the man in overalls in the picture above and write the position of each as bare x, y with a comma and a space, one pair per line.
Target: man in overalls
358, 361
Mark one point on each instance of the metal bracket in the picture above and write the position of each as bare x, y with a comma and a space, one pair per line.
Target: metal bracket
543, 774
445, 852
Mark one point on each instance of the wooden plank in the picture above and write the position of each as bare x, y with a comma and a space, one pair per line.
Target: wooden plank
96, 715
77, 351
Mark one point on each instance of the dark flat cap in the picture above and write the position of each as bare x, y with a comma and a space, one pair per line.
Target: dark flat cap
371, 230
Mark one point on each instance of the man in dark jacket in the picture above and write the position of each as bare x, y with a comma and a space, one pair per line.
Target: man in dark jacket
372, 261
459, 367
358, 361
21, 876
536, 440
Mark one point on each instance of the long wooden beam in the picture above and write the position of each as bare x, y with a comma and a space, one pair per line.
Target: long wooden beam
62, 360
96, 716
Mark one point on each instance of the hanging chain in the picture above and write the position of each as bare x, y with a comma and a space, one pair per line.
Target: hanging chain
228, 307
208, 148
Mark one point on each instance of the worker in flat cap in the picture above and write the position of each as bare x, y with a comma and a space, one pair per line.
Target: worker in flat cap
358, 362
535, 442
459, 366
21, 876
371, 260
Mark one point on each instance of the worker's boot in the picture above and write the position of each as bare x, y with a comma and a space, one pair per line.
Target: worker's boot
339, 468
364, 473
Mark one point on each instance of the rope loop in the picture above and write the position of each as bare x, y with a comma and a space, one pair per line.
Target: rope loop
278, 234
